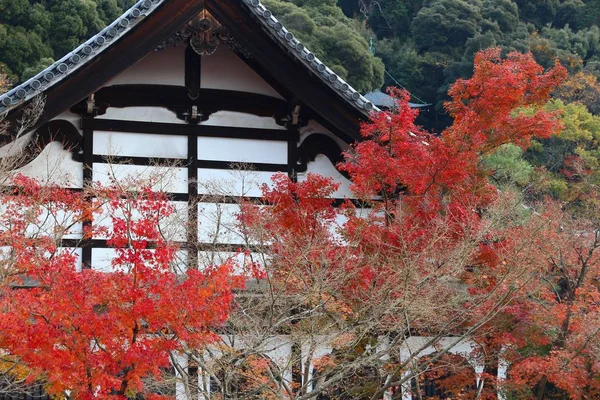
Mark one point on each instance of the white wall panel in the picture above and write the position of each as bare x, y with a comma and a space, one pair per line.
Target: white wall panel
165, 67
140, 145
314, 127
16, 146
322, 166
211, 258
225, 70
173, 227
218, 223
169, 179
55, 165
242, 150
232, 182
5, 254
77, 252
239, 119
102, 260
143, 114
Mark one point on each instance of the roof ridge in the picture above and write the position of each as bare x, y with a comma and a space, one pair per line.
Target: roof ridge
85, 52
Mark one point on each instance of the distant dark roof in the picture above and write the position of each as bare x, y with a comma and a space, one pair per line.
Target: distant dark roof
382, 100
89, 50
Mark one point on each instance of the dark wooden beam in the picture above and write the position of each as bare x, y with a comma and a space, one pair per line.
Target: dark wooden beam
178, 99
192, 220
88, 179
193, 69
185, 130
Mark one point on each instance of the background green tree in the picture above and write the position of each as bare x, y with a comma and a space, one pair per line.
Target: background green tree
325, 30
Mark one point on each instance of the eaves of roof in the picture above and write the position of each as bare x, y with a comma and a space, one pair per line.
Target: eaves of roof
79, 57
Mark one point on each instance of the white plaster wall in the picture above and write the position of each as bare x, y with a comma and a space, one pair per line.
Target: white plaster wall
142, 114
218, 223
140, 145
241, 120
240, 260
322, 166
225, 70
5, 253
165, 67
102, 260
54, 165
314, 127
15, 147
169, 179
172, 227
163, 115
232, 182
242, 150
76, 252
211, 258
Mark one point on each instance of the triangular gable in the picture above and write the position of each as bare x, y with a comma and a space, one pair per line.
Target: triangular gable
271, 50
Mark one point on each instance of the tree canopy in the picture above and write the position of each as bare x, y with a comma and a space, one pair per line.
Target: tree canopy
33, 33
333, 37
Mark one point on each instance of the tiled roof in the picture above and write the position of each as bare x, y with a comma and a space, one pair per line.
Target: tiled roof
78, 57
143, 8
380, 99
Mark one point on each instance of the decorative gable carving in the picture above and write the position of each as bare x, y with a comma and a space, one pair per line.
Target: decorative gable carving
203, 34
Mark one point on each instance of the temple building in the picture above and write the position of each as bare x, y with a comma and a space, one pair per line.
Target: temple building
211, 88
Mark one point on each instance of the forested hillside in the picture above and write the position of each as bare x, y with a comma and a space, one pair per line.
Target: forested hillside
35, 33
422, 45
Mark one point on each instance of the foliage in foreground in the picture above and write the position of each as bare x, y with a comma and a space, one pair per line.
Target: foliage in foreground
98, 334
433, 255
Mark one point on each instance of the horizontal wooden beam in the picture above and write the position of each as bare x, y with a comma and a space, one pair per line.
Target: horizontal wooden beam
209, 198
182, 163
163, 128
103, 244
176, 98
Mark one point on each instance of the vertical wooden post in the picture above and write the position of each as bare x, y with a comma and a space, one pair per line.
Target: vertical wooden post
192, 229
88, 177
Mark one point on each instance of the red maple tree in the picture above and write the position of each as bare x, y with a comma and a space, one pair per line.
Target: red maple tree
439, 251
92, 334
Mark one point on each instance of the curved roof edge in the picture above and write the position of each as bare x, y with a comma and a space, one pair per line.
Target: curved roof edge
79, 57
90, 49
